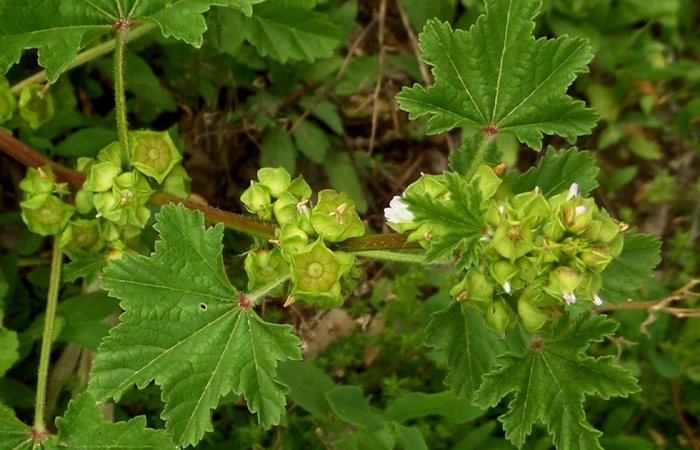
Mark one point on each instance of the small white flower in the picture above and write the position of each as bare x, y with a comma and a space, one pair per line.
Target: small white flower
580, 209
398, 211
506, 287
486, 238
501, 209
573, 191
597, 300
570, 298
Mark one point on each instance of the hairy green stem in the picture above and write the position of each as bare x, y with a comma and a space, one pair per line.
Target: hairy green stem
120, 94
47, 338
85, 56
486, 143
255, 297
413, 258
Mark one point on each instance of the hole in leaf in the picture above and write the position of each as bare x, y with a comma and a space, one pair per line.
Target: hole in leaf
203, 306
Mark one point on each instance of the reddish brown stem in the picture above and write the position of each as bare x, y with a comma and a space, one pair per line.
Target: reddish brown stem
30, 158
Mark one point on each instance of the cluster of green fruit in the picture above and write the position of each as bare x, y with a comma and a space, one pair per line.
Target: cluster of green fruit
299, 250
110, 209
537, 255
35, 105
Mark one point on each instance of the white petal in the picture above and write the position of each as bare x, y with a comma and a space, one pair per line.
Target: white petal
570, 298
506, 287
580, 209
573, 191
501, 209
398, 211
597, 300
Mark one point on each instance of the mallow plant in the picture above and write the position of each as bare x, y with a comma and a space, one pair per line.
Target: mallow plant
535, 256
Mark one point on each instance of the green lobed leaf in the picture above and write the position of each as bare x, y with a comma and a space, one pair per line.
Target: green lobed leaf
59, 29
8, 348
633, 268
13, 433
186, 328
470, 346
497, 75
289, 29
83, 428
551, 379
83, 265
556, 172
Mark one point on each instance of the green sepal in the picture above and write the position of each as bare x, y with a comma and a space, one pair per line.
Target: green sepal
82, 234
46, 214
264, 267
499, 316
334, 217
288, 209
292, 238
153, 153
277, 180
486, 181
112, 153
8, 104
39, 181
36, 106
316, 274
257, 200
300, 188
101, 177
532, 318
177, 183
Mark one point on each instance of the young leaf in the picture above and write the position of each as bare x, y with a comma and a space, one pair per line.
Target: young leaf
59, 28
633, 268
186, 328
83, 265
470, 346
480, 78
557, 171
13, 433
83, 427
550, 380
289, 29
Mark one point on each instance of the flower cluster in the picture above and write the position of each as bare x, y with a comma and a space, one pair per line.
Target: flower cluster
538, 255
300, 251
112, 201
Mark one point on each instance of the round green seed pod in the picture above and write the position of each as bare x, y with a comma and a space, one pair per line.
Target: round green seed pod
316, 274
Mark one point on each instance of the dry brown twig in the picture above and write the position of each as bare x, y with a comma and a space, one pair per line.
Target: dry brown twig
661, 306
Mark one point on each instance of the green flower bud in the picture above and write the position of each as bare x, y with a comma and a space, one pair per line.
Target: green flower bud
112, 153
82, 234
616, 245
101, 177
334, 217
475, 288
531, 316
578, 215
609, 228
257, 199
46, 214
111, 232
38, 181
431, 185
277, 180
287, 208
177, 183
316, 273
292, 238
265, 267
591, 283
8, 104
531, 207
487, 181
512, 242
563, 283
554, 228
84, 201
494, 215
36, 105
83, 164
597, 258
153, 153
503, 271
300, 188
499, 316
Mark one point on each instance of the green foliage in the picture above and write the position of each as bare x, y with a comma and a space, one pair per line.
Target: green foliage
470, 346
480, 80
550, 379
83, 427
59, 29
200, 341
